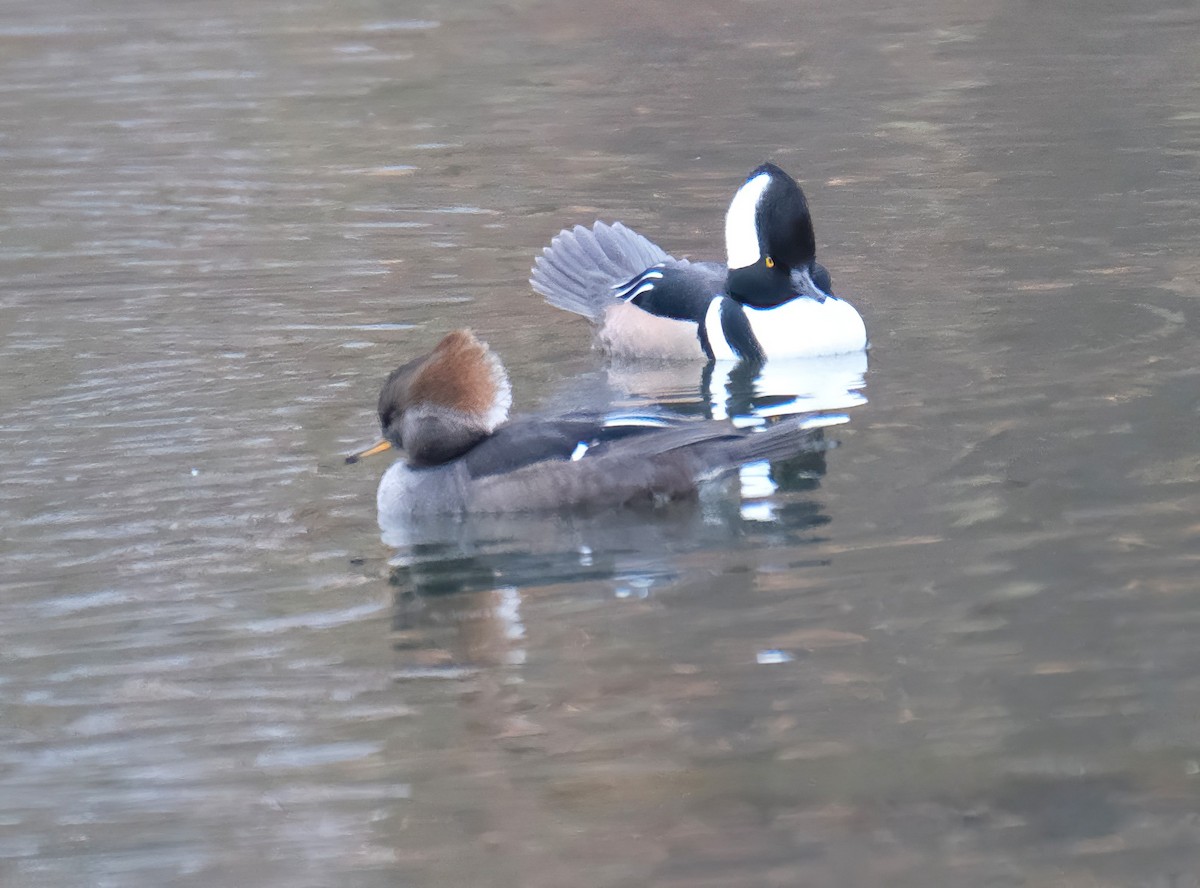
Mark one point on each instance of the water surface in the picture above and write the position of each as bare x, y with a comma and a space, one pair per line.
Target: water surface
961, 649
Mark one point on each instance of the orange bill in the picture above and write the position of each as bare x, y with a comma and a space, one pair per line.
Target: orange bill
370, 451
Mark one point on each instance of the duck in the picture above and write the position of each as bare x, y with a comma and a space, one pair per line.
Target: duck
770, 299
447, 411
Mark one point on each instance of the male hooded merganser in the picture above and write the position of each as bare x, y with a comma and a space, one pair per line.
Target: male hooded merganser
446, 410
772, 299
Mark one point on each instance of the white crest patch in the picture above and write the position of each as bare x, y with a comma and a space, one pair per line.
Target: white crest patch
741, 234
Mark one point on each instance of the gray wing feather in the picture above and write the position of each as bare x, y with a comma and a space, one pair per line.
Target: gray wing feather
580, 268
652, 468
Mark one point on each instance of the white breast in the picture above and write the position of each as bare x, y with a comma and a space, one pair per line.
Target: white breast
807, 328
801, 328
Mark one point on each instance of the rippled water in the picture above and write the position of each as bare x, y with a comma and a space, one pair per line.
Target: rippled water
959, 649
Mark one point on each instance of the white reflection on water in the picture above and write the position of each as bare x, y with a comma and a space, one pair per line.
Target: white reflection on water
786, 387
757, 485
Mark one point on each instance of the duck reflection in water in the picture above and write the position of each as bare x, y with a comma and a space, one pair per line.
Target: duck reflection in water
745, 392
460, 583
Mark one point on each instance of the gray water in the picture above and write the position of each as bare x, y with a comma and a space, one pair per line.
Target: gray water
963, 648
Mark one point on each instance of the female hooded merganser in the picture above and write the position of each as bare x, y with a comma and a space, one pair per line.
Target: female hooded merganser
446, 410
772, 299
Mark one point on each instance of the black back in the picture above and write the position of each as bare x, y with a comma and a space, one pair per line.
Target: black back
681, 291
524, 442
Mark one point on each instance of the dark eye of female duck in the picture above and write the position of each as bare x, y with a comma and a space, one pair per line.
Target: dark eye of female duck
389, 423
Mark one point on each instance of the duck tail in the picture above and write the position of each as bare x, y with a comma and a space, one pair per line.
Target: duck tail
781, 441
582, 267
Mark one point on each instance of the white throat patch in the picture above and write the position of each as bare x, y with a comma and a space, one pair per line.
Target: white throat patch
741, 234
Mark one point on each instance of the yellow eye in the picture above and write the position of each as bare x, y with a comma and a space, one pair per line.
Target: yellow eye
770, 262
